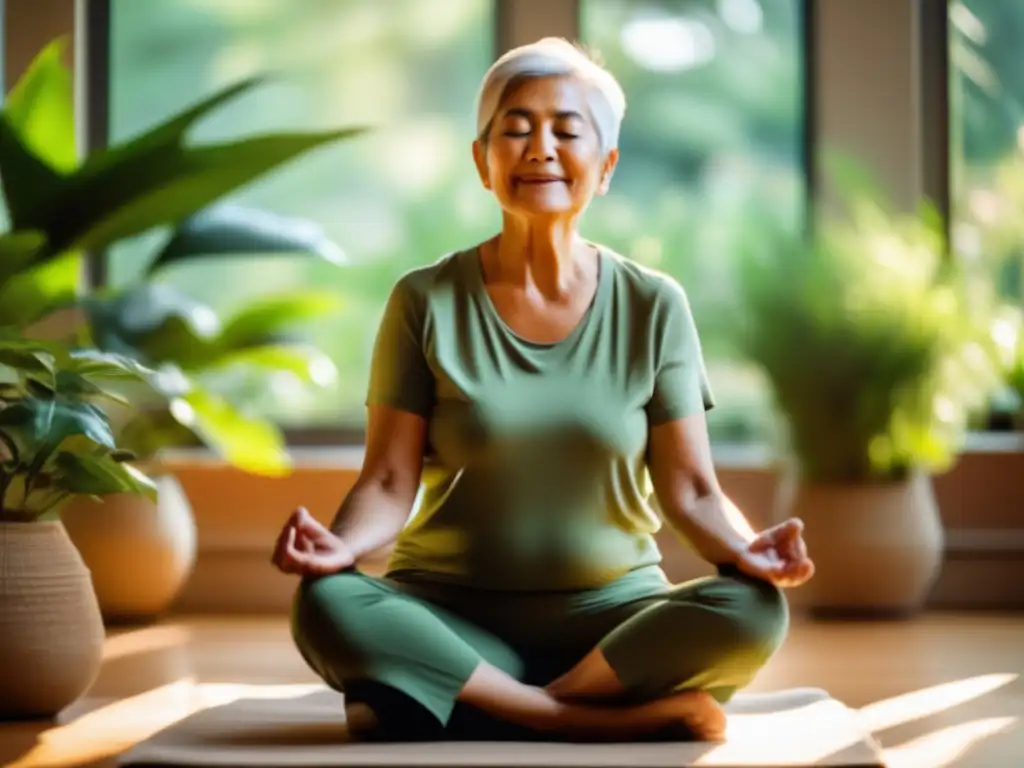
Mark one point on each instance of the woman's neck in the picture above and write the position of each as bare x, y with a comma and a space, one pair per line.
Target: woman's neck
544, 256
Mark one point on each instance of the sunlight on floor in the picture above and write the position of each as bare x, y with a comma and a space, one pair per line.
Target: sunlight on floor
944, 747
112, 728
147, 640
98, 729
929, 701
785, 736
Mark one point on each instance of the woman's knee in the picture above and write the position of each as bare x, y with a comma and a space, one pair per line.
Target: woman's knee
329, 623
758, 610
730, 627
714, 634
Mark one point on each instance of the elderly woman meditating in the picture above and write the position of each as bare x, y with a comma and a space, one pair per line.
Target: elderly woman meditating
536, 388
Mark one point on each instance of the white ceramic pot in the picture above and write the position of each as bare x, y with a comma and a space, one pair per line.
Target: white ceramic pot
878, 548
140, 553
51, 629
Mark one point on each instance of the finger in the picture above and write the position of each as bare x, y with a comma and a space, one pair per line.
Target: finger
799, 573
300, 560
292, 554
761, 542
309, 525
807, 569
281, 544
799, 547
792, 529
761, 568
790, 541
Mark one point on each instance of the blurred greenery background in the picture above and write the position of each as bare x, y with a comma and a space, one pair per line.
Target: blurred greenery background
715, 123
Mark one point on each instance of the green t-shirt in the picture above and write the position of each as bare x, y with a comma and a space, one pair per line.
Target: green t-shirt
535, 475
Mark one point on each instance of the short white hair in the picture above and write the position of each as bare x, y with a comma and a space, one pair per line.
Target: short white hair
554, 57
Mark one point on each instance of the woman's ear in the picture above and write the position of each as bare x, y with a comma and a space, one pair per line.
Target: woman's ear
480, 159
607, 171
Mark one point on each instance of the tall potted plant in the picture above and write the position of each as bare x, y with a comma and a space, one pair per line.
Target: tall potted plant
73, 205
876, 358
56, 444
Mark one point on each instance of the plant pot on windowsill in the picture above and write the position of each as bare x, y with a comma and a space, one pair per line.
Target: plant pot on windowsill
51, 630
876, 360
140, 551
878, 546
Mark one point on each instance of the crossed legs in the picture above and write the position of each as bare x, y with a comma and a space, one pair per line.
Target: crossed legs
669, 661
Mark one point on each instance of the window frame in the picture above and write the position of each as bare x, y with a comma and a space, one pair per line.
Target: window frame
516, 22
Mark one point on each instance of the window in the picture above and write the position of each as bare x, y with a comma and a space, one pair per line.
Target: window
395, 200
986, 127
715, 116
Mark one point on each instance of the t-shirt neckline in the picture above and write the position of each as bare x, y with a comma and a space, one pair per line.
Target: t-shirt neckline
585, 322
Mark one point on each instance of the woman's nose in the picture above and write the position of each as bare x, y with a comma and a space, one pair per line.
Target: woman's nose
541, 147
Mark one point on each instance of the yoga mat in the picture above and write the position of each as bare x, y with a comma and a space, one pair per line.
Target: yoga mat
795, 727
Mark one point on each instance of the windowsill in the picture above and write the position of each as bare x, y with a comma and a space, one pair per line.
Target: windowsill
734, 456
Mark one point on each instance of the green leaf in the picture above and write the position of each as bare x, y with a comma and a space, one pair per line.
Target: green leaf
99, 475
39, 427
149, 431
268, 318
118, 199
31, 295
18, 251
27, 359
41, 108
252, 444
156, 323
30, 185
108, 366
232, 230
304, 361
12, 455
79, 387
174, 128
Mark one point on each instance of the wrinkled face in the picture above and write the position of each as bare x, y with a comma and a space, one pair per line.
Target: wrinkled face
543, 155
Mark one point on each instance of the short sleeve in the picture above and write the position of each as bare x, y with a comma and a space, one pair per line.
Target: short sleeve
400, 376
681, 387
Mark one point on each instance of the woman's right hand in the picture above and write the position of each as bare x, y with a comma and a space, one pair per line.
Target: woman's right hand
307, 548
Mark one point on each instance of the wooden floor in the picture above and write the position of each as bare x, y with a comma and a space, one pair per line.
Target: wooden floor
942, 690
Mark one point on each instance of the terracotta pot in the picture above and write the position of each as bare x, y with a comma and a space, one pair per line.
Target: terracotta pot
877, 548
51, 629
140, 553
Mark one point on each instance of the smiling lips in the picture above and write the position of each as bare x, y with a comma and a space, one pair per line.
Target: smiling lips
537, 180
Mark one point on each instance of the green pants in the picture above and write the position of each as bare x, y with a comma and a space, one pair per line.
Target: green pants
407, 648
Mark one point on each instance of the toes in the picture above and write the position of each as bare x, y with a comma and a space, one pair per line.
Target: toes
706, 718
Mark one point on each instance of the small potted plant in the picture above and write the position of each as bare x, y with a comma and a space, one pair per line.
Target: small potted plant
56, 444
876, 358
142, 552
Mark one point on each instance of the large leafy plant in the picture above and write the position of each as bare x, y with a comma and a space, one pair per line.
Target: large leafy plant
866, 334
61, 207
219, 361
56, 441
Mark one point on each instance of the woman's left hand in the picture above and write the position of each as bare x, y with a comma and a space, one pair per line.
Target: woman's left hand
779, 555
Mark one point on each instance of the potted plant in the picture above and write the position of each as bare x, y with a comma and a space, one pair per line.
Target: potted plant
56, 445
140, 552
61, 206
876, 358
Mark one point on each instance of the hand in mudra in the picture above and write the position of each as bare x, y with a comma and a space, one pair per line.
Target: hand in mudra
779, 555
308, 548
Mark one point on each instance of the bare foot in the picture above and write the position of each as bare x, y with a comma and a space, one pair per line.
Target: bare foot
696, 710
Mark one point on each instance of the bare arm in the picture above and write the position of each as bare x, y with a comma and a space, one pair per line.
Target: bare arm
378, 506
691, 499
